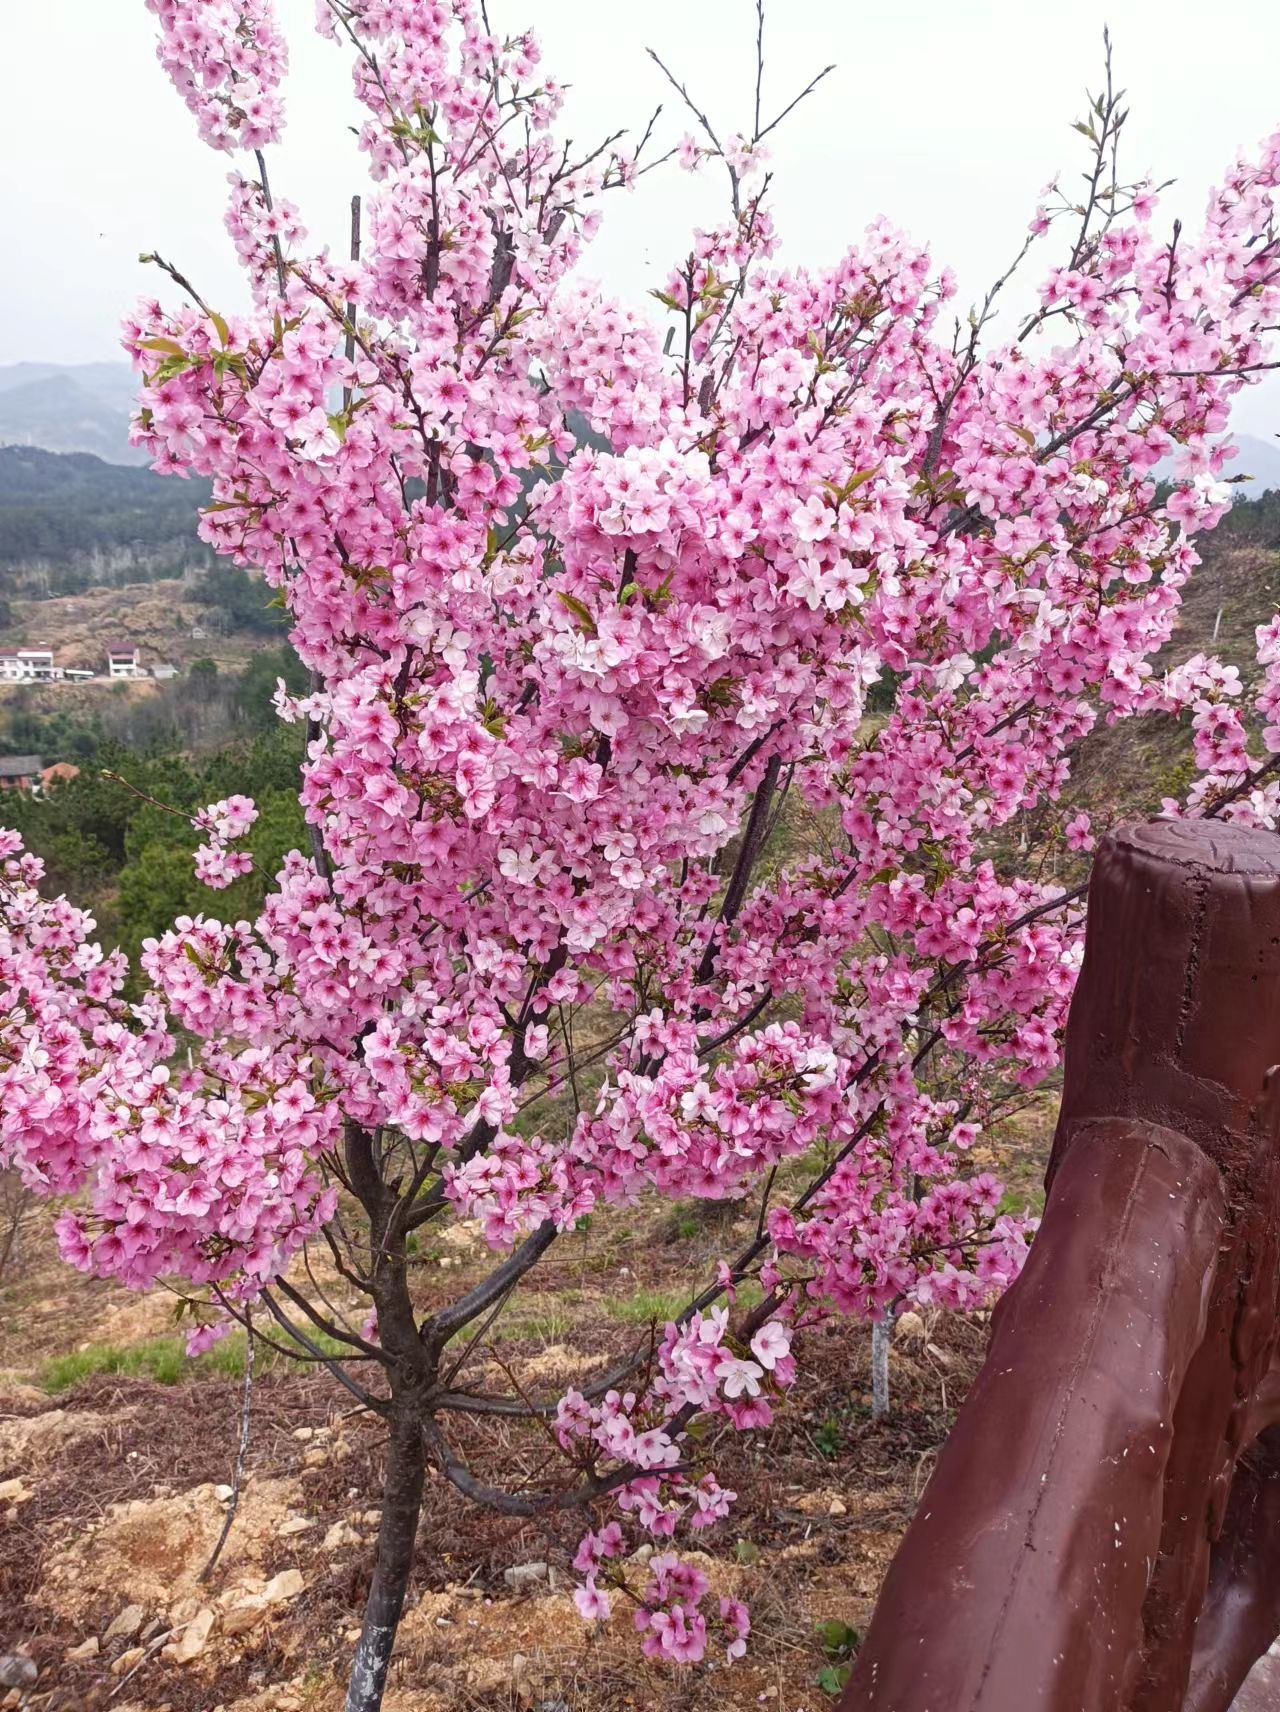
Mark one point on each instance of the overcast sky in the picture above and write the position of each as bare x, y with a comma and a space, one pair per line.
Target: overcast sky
946, 117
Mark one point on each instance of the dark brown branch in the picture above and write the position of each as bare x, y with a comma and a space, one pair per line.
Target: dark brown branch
437, 1331
266, 197
331, 1362
752, 843
329, 1327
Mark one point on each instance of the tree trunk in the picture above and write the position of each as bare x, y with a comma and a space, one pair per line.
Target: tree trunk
880, 1336
401, 1508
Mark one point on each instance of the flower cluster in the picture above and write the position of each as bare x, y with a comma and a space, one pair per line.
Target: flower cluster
702, 1370
223, 822
62, 1025
226, 58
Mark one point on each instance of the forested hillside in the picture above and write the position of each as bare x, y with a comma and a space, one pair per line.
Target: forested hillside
70, 520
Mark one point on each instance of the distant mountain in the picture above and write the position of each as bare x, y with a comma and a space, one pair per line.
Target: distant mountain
1259, 459
81, 407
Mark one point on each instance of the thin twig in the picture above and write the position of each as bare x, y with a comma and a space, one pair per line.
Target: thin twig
237, 1479
351, 308
266, 197
792, 105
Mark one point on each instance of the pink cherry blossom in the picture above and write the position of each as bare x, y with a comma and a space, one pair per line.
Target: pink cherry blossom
594, 608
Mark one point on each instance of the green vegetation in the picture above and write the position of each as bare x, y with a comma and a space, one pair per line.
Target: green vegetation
646, 1307
245, 603
125, 848
205, 709
164, 1360
69, 521
839, 1642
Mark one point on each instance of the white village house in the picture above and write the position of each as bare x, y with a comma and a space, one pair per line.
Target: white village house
29, 666
123, 661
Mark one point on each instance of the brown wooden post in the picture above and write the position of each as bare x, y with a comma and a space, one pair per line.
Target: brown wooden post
1061, 1553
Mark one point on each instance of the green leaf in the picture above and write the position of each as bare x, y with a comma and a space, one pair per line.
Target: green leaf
855, 481
746, 1551
224, 332
170, 347
832, 1678
670, 302
838, 1640
169, 367
580, 611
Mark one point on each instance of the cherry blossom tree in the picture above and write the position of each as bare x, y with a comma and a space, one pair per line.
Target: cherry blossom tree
593, 607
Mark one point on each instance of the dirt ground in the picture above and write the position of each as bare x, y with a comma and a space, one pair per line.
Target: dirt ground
113, 1491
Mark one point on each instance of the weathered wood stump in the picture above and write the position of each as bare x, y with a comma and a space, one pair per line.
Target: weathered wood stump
1102, 1530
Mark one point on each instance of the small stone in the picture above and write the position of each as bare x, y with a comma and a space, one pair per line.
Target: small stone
287, 1585
86, 1650
224, 1494
340, 1535
14, 1492
525, 1574
296, 1525
909, 1327
17, 1670
183, 1610
304, 1435
837, 1507
315, 1459
521, 1687
244, 1616
125, 1663
125, 1625
191, 1642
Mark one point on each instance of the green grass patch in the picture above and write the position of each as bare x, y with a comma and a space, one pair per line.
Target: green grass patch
165, 1360
548, 1325
646, 1306
161, 1359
